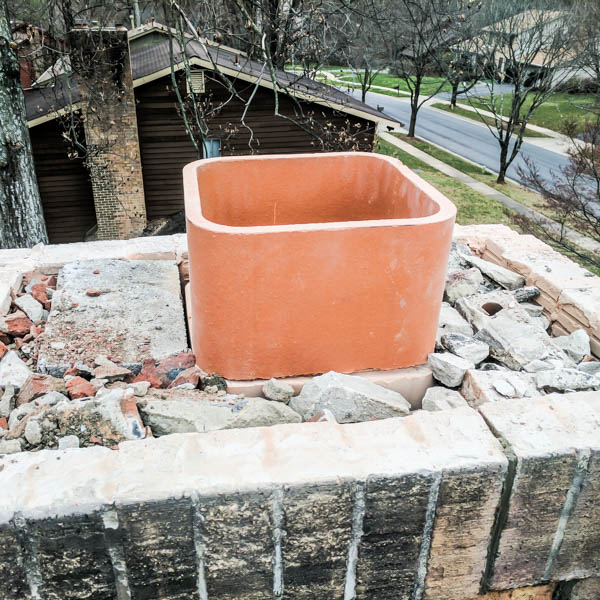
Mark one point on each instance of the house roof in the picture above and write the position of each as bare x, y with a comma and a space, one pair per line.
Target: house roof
153, 62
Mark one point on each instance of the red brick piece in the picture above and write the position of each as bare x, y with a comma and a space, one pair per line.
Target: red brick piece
149, 373
38, 291
3, 423
37, 385
78, 387
17, 324
93, 293
3, 349
191, 375
171, 364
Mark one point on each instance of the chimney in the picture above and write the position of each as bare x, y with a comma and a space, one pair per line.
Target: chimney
101, 64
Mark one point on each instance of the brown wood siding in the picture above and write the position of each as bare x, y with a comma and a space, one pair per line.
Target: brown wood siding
64, 185
166, 147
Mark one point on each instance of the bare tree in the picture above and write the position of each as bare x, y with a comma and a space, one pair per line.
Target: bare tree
528, 43
21, 216
417, 34
462, 71
362, 49
587, 43
197, 113
572, 196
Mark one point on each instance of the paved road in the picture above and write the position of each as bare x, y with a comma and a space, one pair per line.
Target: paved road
470, 140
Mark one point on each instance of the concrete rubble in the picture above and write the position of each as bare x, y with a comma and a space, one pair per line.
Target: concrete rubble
441, 398
512, 345
349, 398
509, 341
107, 330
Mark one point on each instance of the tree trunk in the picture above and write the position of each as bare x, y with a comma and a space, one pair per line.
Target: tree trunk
454, 95
414, 109
365, 84
503, 162
413, 122
21, 216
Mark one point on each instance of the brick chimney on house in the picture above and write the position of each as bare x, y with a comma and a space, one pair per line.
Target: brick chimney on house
101, 63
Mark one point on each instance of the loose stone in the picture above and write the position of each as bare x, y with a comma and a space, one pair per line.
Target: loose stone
259, 412
449, 369
507, 279
31, 307
466, 347
350, 398
13, 371
10, 446
69, 441
576, 345
527, 293
462, 283
279, 391
441, 398
566, 379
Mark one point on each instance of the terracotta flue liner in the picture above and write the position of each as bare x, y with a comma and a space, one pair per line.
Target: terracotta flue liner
306, 263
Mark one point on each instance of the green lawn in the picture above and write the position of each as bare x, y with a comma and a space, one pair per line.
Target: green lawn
429, 87
512, 190
357, 86
472, 207
469, 114
554, 113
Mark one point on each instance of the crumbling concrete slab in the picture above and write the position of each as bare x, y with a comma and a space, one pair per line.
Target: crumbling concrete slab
128, 310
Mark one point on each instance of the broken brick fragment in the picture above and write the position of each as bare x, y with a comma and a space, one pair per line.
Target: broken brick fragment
3, 423
3, 349
78, 387
38, 291
17, 324
112, 372
149, 373
93, 293
37, 385
191, 375
169, 368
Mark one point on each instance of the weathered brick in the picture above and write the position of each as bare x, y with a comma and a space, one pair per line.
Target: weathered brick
159, 550
539, 592
238, 545
13, 579
464, 520
586, 589
545, 533
259, 512
72, 558
318, 524
393, 526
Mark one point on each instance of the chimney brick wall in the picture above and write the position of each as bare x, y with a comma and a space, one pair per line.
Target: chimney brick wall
102, 66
